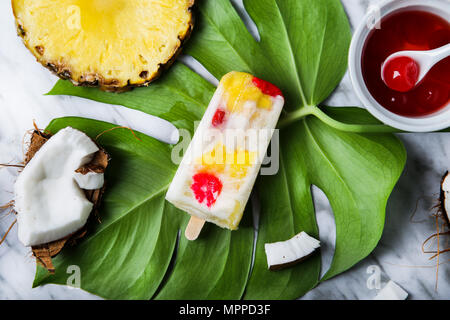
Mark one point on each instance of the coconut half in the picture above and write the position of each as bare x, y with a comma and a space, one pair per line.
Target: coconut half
284, 254
49, 202
445, 197
392, 291
99, 161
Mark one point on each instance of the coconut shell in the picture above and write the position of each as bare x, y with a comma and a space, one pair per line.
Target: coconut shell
442, 199
45, 252
278, 267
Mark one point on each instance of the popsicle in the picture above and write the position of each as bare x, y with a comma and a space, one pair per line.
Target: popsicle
217, 173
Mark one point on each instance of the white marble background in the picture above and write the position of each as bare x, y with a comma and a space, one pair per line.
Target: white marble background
23, 83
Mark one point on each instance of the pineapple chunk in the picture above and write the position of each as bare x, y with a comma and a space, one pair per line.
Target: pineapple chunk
113, 44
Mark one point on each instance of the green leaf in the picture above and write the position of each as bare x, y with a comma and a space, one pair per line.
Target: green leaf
357, 172
128, 254
138, 229
201, 274
286, 209
221, 41
303, 49
181, 96
307, 44
345, 119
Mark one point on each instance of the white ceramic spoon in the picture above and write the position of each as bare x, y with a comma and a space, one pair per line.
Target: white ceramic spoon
425, 60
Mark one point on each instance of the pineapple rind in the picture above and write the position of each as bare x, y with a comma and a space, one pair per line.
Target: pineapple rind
128, 45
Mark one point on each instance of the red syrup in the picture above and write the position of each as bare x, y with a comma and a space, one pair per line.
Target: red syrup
401, 73
408, 30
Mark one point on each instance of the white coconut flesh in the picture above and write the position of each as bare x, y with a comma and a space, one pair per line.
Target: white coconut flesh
90, 180
49, 199
445, 188
285, 253
392, 291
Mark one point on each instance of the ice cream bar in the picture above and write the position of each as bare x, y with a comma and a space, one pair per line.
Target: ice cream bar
220, 166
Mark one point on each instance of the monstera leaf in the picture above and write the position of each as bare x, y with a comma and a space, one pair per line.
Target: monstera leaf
302, 47
127, 255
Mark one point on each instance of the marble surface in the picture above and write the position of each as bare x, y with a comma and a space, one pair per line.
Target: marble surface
398, 255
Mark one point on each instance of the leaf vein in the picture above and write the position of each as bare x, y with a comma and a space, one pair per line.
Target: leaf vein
226, 40
339, 176
319, 60
291, 54
149, 198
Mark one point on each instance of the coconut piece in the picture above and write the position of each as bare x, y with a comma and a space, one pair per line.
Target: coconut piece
49, 203
91, 176
391, 291
284, 254
445, 197
90, 180
45, 252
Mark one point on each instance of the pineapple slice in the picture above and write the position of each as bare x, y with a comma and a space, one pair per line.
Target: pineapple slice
112, 44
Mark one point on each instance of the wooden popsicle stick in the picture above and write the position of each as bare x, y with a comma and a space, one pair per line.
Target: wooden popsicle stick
194, 228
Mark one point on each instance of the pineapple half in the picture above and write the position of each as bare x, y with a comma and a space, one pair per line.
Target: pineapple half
111, 44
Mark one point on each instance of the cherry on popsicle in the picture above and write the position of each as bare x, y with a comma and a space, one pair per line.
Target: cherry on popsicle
404, 70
